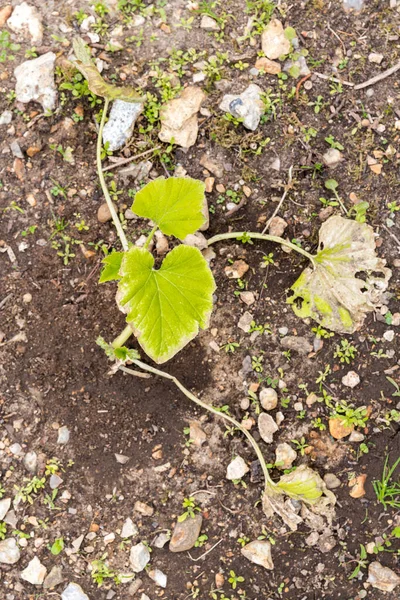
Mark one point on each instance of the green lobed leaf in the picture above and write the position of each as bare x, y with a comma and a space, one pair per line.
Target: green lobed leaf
97, 85
166, 307
57, 547
112, 265
175, 205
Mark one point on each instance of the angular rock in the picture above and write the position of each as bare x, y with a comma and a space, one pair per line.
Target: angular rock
356, 5
331, 481
212, 165
55, 481
273, 40
5, 13
376, 58
161, 540
267, 427
196, 240
158, 577
332, 158
237, 269
259, 553
119, 127
247, 106
277, 226
139, 557
268, 398
73, 591
54, 578
326, 543
196, 434
129, 529
179, 117
209, 24
351, 379
357, 486
297, 68
297, 344
286, 455
247, 298
30, 462
185, 534
26, 20
9, 552
35, 81
237, 469
4, 507
6, 117
356, 436
35, 572
268, 66
382, 578
63, 435
338, 429
143, 508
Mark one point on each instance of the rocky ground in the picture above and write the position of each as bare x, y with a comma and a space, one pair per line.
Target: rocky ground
115, 486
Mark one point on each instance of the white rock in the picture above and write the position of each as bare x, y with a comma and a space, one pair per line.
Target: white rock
259, 553
356, 436
158, 577
382, 578
63, 435
35, 81
273, 40
162, 246
139, 557
237, 469
332, 157
268, 398
331, 481
161, 540
129, 529
351, 379
245, 321
16, 449
30, 462
73, 591
247, 106
87, 23
179, 117
26, 20
9, 552
144, 597
6, 117
35, 572
55, 481
119, 127
209, 24
286, 455
277, 226
267, 427
376, 58
389, 335
4, 507
196, 240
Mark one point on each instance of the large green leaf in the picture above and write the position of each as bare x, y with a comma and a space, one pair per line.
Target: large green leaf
347, 280
165, 307
96, 83
175, 205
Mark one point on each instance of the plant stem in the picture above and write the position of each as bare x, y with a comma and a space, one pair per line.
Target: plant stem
150, 237
260, 236
110, 204
210, 408
123, 336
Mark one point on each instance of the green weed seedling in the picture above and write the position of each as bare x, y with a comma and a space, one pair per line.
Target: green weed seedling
387, 489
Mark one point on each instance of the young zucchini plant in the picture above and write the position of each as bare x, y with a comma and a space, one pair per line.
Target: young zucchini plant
166, 307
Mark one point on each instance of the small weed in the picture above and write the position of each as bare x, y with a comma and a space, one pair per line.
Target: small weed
301, 445
350, 415
345, 351
234, 579
361, 561
387, 490
6, 45
201, 540
190, 507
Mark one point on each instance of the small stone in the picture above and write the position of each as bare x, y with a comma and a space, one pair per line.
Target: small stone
5, 13
338, 429
245, 322
6, 117
25, 19
273, 40
35, 572
209, 24
356, 436
237, 269
103, 213
5, 504
16, 149
35, 81
382, 578
161, 540
247, 106
312, 539
375, 58
121, 459
179, 117
63, 435
357, 486
285, 456
185, 534
247, 298
244, 403
196, 434
237, 469
143, 509
259, 553
55, 481
54, 578
331, 481
119, 127
209, 183
297, 344
162, 246
267, 427
389, 335
9, 552
16, 449
332, 158
139, 557
351, 379
277, 226
73, 591
356, 5
196, 240
268, 398
268, 66
212, 165
109, 538
129, 529
144, 597
158, 577
326, 543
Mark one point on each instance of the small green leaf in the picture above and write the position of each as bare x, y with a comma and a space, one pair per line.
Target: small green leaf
331, 184
294, 71
290, 33
57, 547
112, 265
175, 205
122, 353
166, 307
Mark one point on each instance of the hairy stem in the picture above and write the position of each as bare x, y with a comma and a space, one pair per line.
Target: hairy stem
260, 236
117, 222
209, 408
122, 338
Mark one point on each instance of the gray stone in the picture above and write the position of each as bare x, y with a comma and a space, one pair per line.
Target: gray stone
259, 553
237, 469
356, 5
143, 508
138, 172
129, 529
267, 427
286, 455
179, 117
312, 539
277, 226
54, 578
4, 507
196, 240
382, 578
356, 436
16, 449
35, 81
119, 127
30, 462
185, 534
139, 557
16, 149
376, 58
73, 591
273, 40
161, 540
297, 344
63, 435
11, 519
55, 481
351, 379
332, 158
245, 321
331, 481
268, 398
326, 543
35, 572
26, 20
6, 117
247, 106
9, 552
209, 24
144, 597
158, 577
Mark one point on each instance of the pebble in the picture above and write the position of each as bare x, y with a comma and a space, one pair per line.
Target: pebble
237, 269
196, 240
121, 459
356, 5
25, 19
297, 68
179, 117
212, 165
245, 403
143, 508
357, 486
332, 158
259, 553
35, 572
144, 597
277, 226
162, 246
103, 213
139, 557
286, 455
245, 322
35, 81
9, 552
129, 529
63, 435
209, 24
338, 429
267, 427
55, 481
382, 578
73, 591
161, 540
376, 58
356, 436
6, 117
185, 534
297, 344
268, 398
54, 578
237, 469
16, 449
273, 40
5, 504
30, 461
326, 543
312, 539
247, 106
268, 66
196, 434
389, 335
16, 149
158, 577
351, 379
331, 481
247, 298
119, 127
